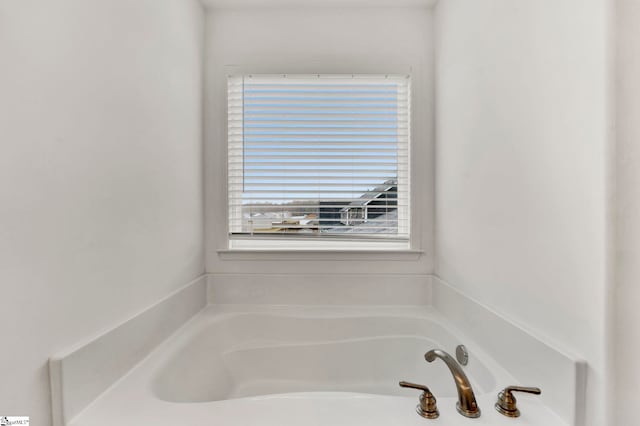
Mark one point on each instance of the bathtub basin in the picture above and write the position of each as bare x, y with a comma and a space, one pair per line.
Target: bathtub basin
290, 366
247, 354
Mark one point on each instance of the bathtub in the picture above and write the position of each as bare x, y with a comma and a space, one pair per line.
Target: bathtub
290, 366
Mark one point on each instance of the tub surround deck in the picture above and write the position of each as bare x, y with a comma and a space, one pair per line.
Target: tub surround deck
155, 391
80, 374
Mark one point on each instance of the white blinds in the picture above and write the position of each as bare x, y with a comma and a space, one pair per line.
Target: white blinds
321, 155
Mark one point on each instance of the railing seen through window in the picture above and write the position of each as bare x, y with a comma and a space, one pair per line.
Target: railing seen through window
319, 156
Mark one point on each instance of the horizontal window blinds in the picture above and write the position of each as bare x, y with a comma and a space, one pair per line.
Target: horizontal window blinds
321, 155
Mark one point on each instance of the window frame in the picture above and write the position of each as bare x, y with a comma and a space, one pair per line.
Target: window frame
299, 248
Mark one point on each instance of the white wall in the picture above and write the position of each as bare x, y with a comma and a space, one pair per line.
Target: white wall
318, 40
101, 209
627, 337
521, 179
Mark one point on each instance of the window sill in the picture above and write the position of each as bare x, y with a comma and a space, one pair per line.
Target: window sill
318, 254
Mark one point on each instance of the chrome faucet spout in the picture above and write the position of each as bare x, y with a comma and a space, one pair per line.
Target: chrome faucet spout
467, 405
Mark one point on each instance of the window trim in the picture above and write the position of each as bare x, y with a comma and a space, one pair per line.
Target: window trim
319, 254
422, 196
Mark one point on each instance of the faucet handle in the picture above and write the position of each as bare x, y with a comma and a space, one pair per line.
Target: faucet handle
506, 404
427, 407
404, 384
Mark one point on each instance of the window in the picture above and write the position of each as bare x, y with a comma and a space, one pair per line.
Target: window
322, 156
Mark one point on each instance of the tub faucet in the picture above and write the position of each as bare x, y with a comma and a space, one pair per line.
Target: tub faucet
467, 405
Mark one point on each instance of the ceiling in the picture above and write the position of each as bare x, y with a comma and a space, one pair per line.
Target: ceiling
317, 3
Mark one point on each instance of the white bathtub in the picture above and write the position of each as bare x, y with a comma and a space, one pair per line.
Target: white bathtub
291, 366
242, 354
